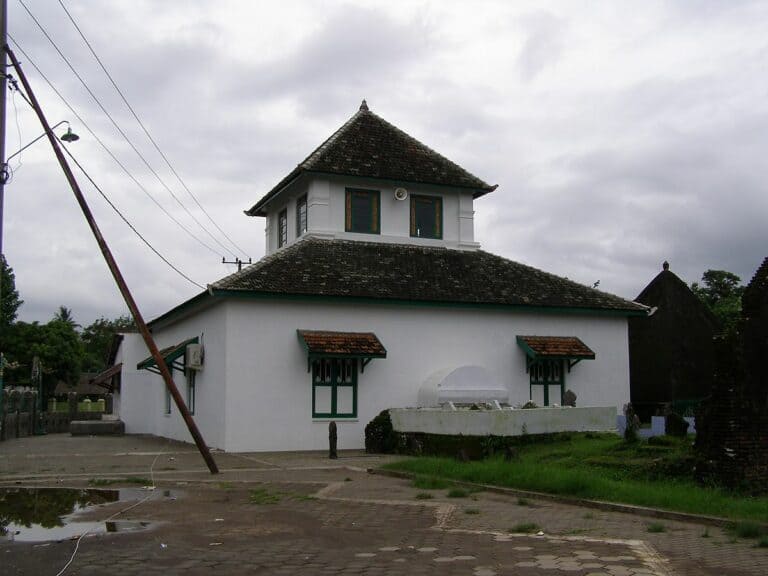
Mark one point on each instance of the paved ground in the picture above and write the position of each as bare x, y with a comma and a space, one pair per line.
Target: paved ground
302, 513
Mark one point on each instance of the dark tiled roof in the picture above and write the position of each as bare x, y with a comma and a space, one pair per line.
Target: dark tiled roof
342, 343
369, 146
344, 268
756, 291
556, 346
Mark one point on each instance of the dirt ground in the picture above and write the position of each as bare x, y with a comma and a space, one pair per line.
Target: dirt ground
294, 513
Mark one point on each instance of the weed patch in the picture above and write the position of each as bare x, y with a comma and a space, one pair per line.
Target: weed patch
656, 527
747, 530
471, 511
430, 483
524, 528
264, 496
523, 502
424, 496
457, 493
111, 481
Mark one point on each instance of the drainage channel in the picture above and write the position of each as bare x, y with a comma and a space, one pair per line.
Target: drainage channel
52, 514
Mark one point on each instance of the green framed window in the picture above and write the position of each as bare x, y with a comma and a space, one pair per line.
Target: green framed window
549, 375
362, 212
426, 216
334, 388
191, 377
167, 400
301, 215
282, 228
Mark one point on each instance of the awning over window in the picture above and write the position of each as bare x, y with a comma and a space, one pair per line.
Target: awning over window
173, 356
105, 379
568, 348
323, 344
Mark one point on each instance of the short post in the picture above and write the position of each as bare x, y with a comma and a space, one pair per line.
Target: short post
332, 439
72, 400
109, 404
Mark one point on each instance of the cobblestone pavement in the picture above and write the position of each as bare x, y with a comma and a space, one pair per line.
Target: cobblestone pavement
300, 513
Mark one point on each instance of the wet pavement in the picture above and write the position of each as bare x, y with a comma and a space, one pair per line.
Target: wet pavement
293, 513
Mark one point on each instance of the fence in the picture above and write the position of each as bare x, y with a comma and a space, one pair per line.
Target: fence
19, 415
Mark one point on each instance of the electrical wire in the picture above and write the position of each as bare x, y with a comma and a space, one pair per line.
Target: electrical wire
124, 219
144, 128
118, 128
108, 151
115, 515
16, 117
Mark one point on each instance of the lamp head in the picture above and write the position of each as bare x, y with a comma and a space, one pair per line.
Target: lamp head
70, 136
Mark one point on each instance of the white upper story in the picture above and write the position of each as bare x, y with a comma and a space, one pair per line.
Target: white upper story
338, 207
372, 182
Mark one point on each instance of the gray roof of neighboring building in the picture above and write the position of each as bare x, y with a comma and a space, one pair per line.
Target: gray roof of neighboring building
369, 146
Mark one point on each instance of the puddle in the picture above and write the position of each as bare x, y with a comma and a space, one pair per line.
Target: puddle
43, 514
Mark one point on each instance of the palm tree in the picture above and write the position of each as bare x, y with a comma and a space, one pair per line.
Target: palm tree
64, 314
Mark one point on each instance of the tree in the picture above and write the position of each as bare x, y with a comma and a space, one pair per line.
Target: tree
9, 297
64, 314
97, 340
57, 344
721, 291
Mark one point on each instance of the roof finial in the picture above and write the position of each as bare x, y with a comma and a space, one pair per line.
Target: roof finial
665, 265
364, 105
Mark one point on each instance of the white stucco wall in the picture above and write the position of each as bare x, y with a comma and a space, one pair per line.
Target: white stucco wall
142, 395
255, 394
269, 399
326, 207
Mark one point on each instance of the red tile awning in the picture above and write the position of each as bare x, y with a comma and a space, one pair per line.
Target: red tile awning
325, 344
555, 348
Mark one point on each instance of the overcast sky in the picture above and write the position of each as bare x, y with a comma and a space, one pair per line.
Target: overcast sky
620, 134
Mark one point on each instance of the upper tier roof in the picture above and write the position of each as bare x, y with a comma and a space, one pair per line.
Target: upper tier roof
369, 146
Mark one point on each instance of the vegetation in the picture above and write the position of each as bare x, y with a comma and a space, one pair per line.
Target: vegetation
599, 467
524, 528
63, 348
656, 527
128, 480
721, 291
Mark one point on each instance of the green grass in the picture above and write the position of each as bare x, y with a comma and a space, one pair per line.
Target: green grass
596, 467
457, 493
264, 496
656, 527
127, 480
424, 496
524, 528
748, 530
430, 483
762, 543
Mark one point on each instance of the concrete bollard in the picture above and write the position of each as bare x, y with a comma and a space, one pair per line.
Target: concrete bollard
332, 440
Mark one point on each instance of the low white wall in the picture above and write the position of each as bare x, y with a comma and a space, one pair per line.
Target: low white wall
504, 422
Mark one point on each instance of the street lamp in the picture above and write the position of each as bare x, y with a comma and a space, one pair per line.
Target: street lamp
68, 137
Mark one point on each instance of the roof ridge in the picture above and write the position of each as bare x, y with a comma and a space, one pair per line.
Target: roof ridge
429, 148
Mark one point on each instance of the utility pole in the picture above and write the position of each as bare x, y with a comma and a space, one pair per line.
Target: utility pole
115, 270
236, 261
3, 168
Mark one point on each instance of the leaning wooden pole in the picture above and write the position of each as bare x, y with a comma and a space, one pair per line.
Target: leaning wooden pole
142, 326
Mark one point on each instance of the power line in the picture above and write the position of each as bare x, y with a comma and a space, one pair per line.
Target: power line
144, 128
124, 219
108, 151
117, 126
